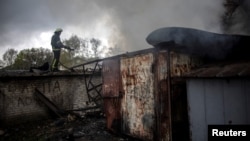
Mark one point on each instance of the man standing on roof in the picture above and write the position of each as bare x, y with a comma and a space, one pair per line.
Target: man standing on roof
56, 47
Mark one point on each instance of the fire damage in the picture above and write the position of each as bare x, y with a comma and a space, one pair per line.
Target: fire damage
64, 125
143, 94
87, 124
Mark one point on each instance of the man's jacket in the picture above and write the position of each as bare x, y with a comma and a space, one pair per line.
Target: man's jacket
56, 42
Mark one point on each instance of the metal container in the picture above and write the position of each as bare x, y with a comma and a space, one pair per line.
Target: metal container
138, 90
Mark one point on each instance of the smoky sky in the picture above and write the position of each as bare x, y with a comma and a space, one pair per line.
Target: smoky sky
128, 21
240, 19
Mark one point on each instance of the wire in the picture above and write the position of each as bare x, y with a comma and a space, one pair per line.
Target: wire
66, 66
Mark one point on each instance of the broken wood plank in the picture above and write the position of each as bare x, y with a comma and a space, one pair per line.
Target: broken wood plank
59, 112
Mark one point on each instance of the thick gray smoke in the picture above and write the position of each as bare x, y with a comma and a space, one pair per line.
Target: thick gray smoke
238, 20
125, 23
136, 19
211, 46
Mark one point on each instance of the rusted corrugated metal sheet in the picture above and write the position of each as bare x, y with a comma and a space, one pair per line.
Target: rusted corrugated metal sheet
182, 63
241, 69
111, 75
112, 108
162, 96
137, 107
138, 96
111, 92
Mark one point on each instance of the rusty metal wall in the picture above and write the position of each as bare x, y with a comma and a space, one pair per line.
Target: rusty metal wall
111, 93
111, 75
139, 90
182, 63
162, 94
179, 65
138, 101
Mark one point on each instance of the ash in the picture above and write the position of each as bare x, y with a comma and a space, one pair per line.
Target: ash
71, 128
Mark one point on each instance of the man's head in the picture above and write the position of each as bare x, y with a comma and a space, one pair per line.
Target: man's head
58, 30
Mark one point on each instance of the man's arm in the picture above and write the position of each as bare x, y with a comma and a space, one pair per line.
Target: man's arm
56, 42
68, 48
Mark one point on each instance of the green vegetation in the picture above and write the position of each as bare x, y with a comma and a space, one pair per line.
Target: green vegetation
84, 50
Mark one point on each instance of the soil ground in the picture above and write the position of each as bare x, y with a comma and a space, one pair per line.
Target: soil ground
84, 129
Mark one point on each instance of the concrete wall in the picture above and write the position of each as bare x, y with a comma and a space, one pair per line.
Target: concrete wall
17, 99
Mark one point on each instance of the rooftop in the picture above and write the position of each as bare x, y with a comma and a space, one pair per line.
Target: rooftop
221, 70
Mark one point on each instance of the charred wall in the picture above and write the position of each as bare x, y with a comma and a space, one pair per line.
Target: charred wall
17, 100
145, 94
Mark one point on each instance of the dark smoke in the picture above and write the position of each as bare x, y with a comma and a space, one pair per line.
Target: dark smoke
22, 21
236, 19
201, 43
127, 21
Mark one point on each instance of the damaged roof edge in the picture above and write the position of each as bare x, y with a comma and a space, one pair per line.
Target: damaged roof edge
27, 73
201, 43
232, 70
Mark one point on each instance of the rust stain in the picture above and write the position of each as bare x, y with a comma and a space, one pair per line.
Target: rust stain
111, 69
142, 108
112, 93
137, 82
112, 108
162, 94
182, 63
